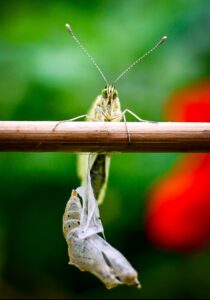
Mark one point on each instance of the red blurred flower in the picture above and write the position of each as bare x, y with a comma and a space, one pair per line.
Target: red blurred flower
178, 213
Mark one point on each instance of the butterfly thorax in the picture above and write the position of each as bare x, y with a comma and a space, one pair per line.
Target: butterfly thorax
107, 106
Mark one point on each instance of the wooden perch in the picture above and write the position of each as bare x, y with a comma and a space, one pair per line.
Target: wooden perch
104, 137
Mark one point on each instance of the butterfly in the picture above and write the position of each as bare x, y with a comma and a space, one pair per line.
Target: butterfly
106, 108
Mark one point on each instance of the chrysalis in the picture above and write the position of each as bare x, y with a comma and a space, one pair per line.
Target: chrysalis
72, 214
92, 253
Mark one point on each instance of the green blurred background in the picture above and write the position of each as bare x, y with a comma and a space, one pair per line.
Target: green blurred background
45, 76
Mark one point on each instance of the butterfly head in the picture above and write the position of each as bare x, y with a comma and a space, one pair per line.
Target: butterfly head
109, 93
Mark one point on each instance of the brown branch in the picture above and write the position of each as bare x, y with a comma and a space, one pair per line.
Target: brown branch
104, 137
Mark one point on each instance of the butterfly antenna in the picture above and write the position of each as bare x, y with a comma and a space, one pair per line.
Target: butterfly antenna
141, 58
68, 27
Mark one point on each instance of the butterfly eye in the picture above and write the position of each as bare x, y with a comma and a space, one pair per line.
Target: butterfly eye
115, 94
104, 93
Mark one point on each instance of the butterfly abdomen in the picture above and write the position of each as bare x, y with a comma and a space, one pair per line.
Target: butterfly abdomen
98, 174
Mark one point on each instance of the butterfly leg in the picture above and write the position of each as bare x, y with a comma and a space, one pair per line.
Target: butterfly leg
73, 119
126, 126
135, 116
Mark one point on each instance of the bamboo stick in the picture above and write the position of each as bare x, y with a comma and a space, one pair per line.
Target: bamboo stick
41, 136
